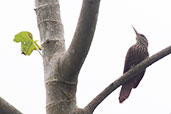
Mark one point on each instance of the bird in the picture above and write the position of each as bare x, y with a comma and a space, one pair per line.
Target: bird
135, 54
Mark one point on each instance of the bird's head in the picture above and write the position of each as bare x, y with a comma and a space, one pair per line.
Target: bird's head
141, 39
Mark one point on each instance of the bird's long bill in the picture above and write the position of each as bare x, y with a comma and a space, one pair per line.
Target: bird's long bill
135, 31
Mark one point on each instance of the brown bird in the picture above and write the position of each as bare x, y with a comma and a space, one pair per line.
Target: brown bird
136, 53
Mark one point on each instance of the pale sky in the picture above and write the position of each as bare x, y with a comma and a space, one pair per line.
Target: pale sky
114, 35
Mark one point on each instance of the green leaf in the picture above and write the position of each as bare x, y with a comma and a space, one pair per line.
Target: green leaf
27, 42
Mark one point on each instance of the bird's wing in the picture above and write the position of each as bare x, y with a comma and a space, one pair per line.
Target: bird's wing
134, 56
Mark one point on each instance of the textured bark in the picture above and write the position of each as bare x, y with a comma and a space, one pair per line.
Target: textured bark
6, 108
61, 67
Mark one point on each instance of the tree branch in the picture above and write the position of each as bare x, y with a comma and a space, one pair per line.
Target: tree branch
81, 41
6, 108
125, 77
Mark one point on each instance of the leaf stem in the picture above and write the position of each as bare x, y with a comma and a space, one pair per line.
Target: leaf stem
37, 49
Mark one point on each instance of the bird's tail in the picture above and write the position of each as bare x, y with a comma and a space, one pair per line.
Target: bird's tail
125, 91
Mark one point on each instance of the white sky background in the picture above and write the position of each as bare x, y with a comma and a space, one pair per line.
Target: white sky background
25, 89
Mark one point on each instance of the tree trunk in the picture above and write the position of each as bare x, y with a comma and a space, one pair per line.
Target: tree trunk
61, 66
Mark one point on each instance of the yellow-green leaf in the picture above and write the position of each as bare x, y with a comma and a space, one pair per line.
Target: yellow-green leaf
27, 42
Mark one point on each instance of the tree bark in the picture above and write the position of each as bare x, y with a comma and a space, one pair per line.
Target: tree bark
61, 67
